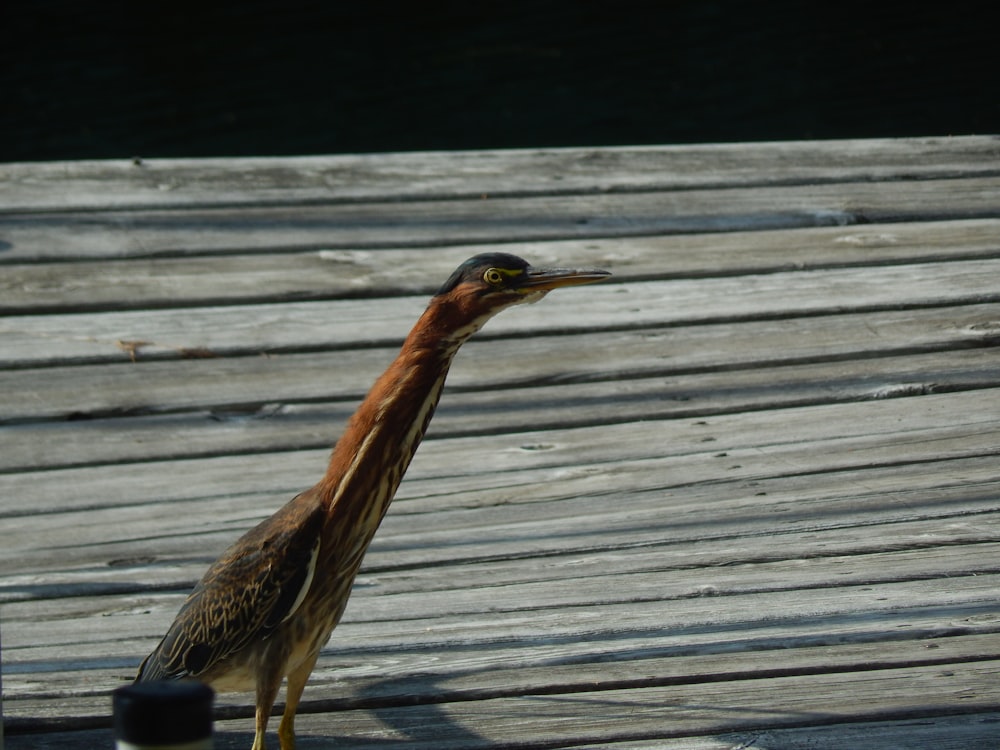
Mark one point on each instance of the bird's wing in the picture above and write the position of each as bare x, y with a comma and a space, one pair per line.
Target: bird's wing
259, 582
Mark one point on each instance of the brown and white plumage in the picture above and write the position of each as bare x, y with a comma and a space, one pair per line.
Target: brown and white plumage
267, 606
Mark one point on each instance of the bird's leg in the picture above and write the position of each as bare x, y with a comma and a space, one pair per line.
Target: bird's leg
261, 728
297, 679
267, 691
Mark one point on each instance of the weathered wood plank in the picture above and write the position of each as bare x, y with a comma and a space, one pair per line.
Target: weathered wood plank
240, 383
109, 643
676, 711
684, 635
949, 732
960, 732
870, 431
923, 512
239, 329
957, 732
691, 559
811, 481
560, 542
361, 226
390, 616
117, 631
695, 707
704, 662
895, 509
173, 282
353, 177
779, 516
289, 426
450, 509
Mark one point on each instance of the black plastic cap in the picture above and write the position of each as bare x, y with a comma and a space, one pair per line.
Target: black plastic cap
162, 713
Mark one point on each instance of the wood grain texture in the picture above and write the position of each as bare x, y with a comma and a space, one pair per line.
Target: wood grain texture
745, 495
435, 223
199, 280
97, 185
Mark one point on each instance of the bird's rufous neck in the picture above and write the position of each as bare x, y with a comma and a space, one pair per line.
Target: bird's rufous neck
388, 426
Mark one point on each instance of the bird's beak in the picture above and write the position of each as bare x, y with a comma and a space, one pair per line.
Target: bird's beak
544, 279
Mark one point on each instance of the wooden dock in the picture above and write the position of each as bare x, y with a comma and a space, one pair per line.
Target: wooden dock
744, 495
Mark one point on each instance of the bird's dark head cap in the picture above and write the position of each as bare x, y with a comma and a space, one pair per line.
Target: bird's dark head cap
506, 274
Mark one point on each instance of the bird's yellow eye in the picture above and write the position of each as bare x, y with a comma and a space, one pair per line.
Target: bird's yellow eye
492, 276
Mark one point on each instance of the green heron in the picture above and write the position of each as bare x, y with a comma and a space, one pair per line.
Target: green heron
265, 608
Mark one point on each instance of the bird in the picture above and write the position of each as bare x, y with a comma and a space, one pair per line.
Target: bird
262, 612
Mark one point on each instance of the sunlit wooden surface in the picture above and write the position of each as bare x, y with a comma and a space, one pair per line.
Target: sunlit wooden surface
746, 494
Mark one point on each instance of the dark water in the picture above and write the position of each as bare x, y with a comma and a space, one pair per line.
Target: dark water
111, 79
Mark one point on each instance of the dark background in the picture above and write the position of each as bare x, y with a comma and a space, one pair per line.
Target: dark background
112, 79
